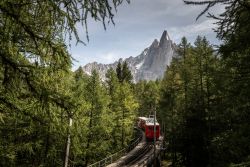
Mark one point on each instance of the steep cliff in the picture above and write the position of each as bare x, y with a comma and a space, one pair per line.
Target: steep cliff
149, 65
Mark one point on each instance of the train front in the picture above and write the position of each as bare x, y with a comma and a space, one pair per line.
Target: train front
147, 124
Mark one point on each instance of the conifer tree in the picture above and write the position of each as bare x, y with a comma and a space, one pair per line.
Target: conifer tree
119, 72
98, 128
184, 46
169, 111
129, 108
126, 73
148, 95
123, 106
115, 106
189, 124
123, 73
35, 86
233, 30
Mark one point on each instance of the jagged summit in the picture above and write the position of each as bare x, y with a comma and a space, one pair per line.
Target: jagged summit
165, 36
149, 65
164, 39
155, 43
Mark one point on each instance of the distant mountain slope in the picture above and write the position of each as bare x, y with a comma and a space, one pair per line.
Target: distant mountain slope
149, 65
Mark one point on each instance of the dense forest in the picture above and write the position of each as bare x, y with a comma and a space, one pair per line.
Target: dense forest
51, 116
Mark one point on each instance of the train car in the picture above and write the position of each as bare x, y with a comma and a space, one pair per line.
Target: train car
147, 124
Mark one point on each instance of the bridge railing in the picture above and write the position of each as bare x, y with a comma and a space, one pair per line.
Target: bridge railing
112, 158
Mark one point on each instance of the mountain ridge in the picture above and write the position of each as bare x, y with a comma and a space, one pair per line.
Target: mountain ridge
149, 65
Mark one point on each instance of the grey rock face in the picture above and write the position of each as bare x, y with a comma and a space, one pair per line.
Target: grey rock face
149, 65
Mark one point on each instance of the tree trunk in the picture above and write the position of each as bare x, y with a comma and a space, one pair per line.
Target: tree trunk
123, 128
68, 145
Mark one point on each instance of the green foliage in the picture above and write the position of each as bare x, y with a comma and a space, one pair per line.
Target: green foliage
38, 93
126, 73
98, 125
186, 103
115, 106
123, 73
230, 117
148, 95
123, 106
119, 71
203, 100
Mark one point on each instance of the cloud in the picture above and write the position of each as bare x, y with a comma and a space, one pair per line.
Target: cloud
191, 31
137, 25
109, 57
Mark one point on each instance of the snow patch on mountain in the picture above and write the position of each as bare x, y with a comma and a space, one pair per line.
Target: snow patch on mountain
138, 66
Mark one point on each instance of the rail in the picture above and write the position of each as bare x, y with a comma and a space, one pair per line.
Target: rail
112, 158
138, 155
149, 160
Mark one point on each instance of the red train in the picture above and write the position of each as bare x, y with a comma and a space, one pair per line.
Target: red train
147, 124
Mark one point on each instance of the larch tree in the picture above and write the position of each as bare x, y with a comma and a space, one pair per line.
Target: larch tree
123, 72
233, 101
183, 51
113, 86
97, 99
129, 108
35, 91
126, 73
119, 71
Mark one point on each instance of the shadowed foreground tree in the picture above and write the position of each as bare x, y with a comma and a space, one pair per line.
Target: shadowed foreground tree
182, 103
229, 143
33, 34
36, 99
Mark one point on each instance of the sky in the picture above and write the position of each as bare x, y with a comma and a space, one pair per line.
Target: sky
136, 26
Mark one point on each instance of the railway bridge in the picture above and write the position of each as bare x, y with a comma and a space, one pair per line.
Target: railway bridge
139, 154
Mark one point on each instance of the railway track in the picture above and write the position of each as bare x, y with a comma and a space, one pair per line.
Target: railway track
138, 155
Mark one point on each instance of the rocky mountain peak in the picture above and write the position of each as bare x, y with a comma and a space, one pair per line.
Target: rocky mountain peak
164, 39
149, 65
165, 36
155, 44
